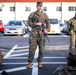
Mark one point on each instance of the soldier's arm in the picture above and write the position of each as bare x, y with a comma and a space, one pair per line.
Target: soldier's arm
30, 20
47, 21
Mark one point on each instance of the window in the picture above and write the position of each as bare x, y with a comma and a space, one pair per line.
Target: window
12, 8
58, 9
71, 8
44, 8
53, 21
15, 23
0, 9
27, 8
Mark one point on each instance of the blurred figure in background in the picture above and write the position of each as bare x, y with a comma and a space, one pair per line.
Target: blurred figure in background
72, 31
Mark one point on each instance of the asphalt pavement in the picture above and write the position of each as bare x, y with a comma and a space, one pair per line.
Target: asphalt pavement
55, 55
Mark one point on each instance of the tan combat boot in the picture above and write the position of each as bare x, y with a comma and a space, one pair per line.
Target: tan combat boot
39, 65
29, 65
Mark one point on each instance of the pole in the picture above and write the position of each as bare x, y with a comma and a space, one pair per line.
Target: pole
61, 12
14, 11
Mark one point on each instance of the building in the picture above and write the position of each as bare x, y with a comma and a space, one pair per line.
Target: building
20, 9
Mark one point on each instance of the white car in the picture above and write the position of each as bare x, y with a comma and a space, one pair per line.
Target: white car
55, 27
15, 28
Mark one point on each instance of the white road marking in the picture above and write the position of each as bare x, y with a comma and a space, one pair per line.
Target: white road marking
54, 57
15, 69
35, 68
17, 58
18, 54
37, 52
43, 58
27, 35
54, 63
65, 35
8, 54
34, 64
58, 47
61, 35
25, 47
21, 50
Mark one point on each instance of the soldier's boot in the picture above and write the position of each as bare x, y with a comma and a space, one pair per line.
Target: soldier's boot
39, 65
29, 65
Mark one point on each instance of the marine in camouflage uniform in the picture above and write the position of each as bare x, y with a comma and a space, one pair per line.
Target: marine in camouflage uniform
37, 36
72, 32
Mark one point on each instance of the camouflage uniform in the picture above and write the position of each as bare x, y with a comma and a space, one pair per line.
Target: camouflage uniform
72, 32
37, 36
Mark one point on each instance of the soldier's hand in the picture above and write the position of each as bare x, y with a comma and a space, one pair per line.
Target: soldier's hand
38, 24
45, 31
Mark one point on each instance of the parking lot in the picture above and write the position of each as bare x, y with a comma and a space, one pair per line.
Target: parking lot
15, 55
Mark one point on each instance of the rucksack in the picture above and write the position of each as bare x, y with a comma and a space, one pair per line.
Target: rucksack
1, 58
72, 58
64, 71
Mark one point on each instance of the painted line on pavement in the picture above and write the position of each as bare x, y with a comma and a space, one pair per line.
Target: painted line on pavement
27, 35
21, 50
65, 35
35, 68
26, 47
35, 65
43, 58
18, 54
8, 54
17, 58
15, 69
54, 57
61, 35
59, 47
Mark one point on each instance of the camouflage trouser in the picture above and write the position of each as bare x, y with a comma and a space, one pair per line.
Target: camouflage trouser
34, 40
73, 40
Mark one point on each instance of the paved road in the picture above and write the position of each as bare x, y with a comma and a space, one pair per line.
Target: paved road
15, 59
9, 41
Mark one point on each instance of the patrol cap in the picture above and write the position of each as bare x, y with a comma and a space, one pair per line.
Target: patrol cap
39, 3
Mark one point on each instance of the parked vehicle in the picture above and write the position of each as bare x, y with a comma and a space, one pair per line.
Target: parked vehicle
55, 27
65, 29
15, 28
61, 27
2, 27
27, 28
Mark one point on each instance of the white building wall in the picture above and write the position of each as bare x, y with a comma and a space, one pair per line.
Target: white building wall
66, 14
6, 14
51, 9
21, 14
